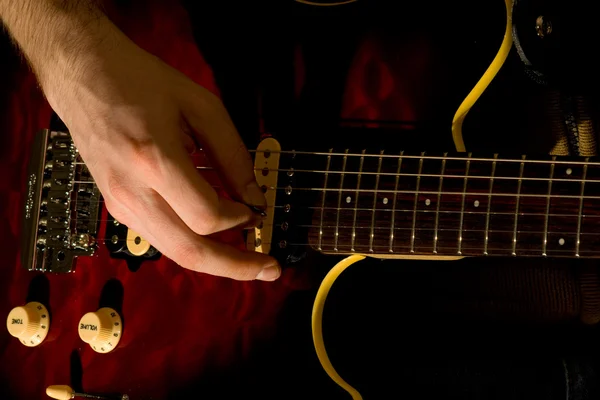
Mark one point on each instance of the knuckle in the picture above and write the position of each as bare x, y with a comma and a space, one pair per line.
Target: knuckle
143, 158
118, 190
191, 256
206, 223
116, 209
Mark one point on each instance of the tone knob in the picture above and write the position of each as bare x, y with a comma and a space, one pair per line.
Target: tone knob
29, 323
101, 329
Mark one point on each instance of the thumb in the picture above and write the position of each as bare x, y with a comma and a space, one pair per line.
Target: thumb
223, 260
212, 126
159, 224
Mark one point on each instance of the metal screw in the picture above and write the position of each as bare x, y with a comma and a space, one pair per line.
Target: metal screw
115, 222
114, 239
543, 26
257, 242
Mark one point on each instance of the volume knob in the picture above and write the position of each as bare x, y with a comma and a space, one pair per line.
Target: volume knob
101, 329
29, 323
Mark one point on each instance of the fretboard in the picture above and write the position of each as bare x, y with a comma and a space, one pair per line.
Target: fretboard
457, 205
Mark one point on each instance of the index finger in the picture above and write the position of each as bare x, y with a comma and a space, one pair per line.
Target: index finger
213, 127
162, 227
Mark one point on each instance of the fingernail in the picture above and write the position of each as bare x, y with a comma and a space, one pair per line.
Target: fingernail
254, 196
256, 222
269, 273
258, 211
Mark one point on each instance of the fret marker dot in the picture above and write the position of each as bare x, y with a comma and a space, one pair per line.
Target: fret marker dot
348, 199
569, 171
385, 200
476, 203
427, 202
561, 241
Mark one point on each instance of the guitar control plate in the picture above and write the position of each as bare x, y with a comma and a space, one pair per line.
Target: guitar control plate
60, 219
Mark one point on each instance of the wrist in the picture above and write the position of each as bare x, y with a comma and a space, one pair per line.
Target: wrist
60, 39
79, 46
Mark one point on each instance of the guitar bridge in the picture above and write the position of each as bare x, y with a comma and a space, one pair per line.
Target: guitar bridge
60, 220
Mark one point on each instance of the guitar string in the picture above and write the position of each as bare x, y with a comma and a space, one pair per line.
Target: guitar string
419, 192
385, 237
291, 170
421, 212
403, 174
295, 153
420, 250
427, 249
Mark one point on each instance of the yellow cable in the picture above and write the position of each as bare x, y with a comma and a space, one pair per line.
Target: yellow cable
314, 3
469, 101
483, 83
317, 323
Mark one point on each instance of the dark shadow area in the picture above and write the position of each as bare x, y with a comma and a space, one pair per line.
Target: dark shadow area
112, 296
76, 372
39, 290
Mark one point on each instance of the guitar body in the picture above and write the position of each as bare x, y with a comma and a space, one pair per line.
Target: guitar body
181, 329
188, 335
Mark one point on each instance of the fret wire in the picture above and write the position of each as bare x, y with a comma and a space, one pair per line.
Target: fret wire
323, 201
394, 202
375, 203
360, 168
514, 250
545, 243
414, 219
489, 205
462, 207
337, 231
579, 217
437, 209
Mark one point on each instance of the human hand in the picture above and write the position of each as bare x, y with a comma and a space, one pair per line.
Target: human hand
131, 117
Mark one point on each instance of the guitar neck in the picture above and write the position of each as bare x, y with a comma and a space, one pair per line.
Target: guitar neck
459, 205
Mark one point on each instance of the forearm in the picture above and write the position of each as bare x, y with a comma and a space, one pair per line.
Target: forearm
59, 38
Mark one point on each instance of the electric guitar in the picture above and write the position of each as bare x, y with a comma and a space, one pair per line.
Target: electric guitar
335, 202
174, 326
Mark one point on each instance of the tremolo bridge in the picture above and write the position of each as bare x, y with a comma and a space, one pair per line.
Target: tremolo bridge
60, 221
